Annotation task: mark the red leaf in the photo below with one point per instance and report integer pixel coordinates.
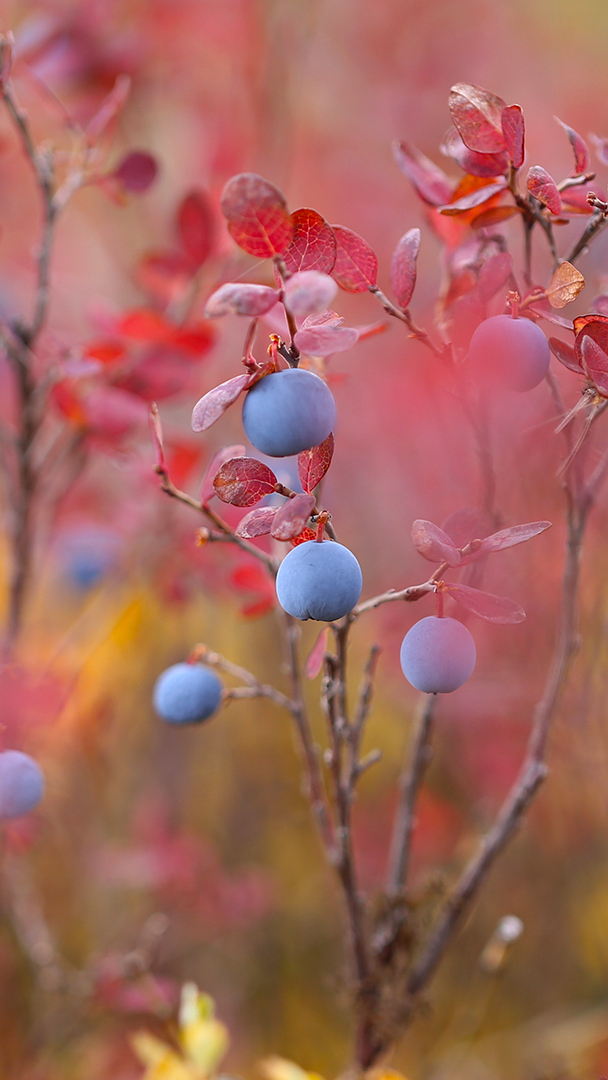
(514, 131)
(477, 114)
(494, 609)
(225, 454)
(196, 226)
(314, 661)
(595, 364)
(565, 354)
(257, 522)
(325, 340)
(243, 481)
(543, 187)
(163, 274)
(516, 534)
(494, 216)
(195, 340)
(137, 171)
(431, 183)
(473, 163)
(313, 244)
(240, 299)
(212, 405)
(601, 148)
(356, 265)
(292, 517)
(433, 544)
(314, 463)
(594, 326)
(257, 215)
(494, 275)
(306, 534)
(309, 292)
(473, 198)
(582, 158)
(145, 325)
(403, 266)
(466, 525)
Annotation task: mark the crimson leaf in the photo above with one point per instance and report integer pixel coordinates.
(356, 265)
(403, 266)
(313, 244)
(244, 481)
(477, 114)
(292, 517)
(314, 463)
(257, 522)
(212, 405)
(257, 215)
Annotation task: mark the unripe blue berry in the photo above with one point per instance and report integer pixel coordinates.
(438, 655)
(513, 353)
(288, 411)
(21, 784)
(187, 693)
(319, 580)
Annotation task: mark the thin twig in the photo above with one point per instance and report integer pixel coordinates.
(419, 759)
(253, 687)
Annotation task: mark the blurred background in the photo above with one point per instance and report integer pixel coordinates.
(161, 855)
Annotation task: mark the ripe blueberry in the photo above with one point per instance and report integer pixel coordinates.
(438, 655)
(187, 693)
(320, 581)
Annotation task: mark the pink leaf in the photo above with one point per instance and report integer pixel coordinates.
(313, 244)
(582, 158)
(403, 266)
(473, 199)
(257, 215)
(601, 148)
(494, 275)
(494, 609)
(431, 183)
(514, 131)
(599, 304)
(196, 226)
(257, 522)
(466, 525)
(595, 364)
(473, 163)
(225, 454)
(356, 265)
(325, 340)
(240, 299)
(292, 517)
(477, 114)
(543, 187)
(314, 463)
(594, 326)
(565, 354)
(516, 534)
(212, 405)
(309, 292)
(314, 661)
(244, 481)
(137, 171)
(109, 109)
(433, 544)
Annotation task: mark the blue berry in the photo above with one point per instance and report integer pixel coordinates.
(287, 412)
(319, 581)
(21, 784)
(187, 693)
(513, 353)
(438, 655)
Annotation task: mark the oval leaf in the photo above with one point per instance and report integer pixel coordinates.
(257, 522)
(325, 340)
(244, 481)
(356, 265)
(565, 285)
(225, 454)
(403, 266)
(292, 517)
(477, 113)
(257, 215)
(494, 275)
(240, 299)
(473, 198)
(595, 364)
(314, 463)
(514, 130)
(316, 656)
(516, 534)
(565, 353)
(433, 544)
(466, 525)
(582, 158)
(494, 609)
(137, 171)
(543, 187)
(431, 183)
(309, 292)
(485, 165)
(196, 226)
(494, 216)
(313, 244)
(211, 406)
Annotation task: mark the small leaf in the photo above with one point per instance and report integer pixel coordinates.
(292, 517)
(240, 299)
(431, 183)
(314, 660)
(433, 544)
(494, 216)
(257, 522)
(514, 130)
(145, 325)
(313, 244)
(516, 534)
(565, 354)
(473, 198)
(212, 405)
(494, 275)
(314, 463)
(403, 266)
(565, 285)
(595, 364)
(477, 113)
(257, 215)
(494, 609)
(325, 340)
(485, 165)
(356, 265)
(244, 481)
(582, 158)
(466, 525)
(543, 187)
(309, 292)
(196, 226)
(225, 454)
(137, 171)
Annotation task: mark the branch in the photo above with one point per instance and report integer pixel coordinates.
(404, 316)
(411, 780)
(253, 687)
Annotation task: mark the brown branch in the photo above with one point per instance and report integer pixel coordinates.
(253, 687)
(419, 759)
(404, 316)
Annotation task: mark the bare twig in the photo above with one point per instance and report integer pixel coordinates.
(419, 760)
(253, 687)
(404, 316)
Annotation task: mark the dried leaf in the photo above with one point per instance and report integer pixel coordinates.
(543, 187)
(257, 522)
(433, 544)
(309, 292)
(595, 364)
(431, 183)
(314, 660)
(212, 405)
(565, 285)
(403, 266)
(494, 216)
(516, 534)
(225, 454)
(137, 171)
(244, 481)
(514, 131)
(565, 354)
(582, 158)
(292, 517)
(494, 609)
(325, 340)
(477, 114)
(314, 463)
(313, 244)
(494, 275)
(356, 265)
(240, 299)
(485, 165)
(257, 215)
(473, 198)
(196, 226)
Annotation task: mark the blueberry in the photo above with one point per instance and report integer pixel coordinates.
(319, 581)
(438, 655)
(287, 412)
(21, 784)
(187, 693)
(513, 353)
